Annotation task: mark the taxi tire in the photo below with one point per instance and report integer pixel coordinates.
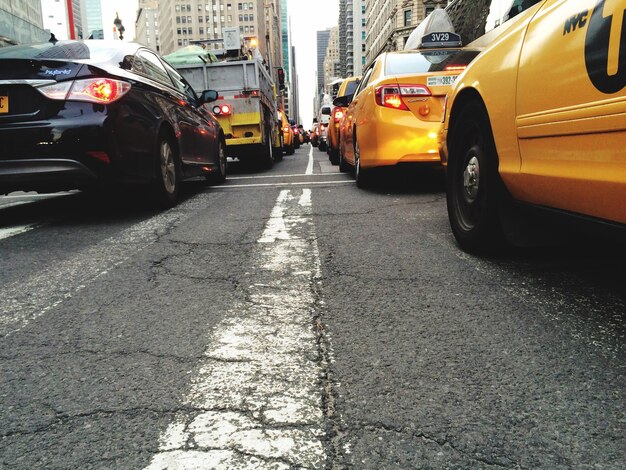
(290, 150)
(165, 187)
(344, 166)
(333, 155)
(362, 176)
(475, 193)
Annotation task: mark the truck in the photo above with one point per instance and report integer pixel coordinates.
(246, 106)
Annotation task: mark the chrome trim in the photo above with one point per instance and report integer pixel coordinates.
(33, 83)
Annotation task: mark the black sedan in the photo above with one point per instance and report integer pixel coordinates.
(84, 114)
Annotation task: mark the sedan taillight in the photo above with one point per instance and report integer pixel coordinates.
(91, 90)
(391, 96)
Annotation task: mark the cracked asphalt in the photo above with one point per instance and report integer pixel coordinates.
(287, 321)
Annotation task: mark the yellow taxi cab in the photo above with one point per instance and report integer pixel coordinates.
(539, 119)
(288, 137)
(347, 87)
(395, 114)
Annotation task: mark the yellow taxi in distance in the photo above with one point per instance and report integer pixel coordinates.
(395, 114)
(288, 137)
(346, 88)
(540, 118)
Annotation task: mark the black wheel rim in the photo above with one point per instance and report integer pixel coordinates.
(469, 188)
(168, 167)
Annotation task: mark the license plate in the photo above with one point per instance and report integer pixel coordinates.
(442, 80)
(4, 104)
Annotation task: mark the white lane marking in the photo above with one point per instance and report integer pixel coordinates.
(255, 401)
(12, 231)
(277, 185)
(27, 299)
(309, 167)
(262, 176)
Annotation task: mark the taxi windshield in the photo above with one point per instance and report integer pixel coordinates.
(428, 61)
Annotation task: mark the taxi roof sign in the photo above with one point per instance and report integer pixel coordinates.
(441, 39)
(431, 32)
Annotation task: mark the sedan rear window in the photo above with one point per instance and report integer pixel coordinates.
(428, 61)
(98, 51)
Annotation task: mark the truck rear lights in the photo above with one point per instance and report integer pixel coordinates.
(222, 110)
(391, 96)
(91, 90)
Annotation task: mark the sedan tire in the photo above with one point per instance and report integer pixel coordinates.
(168, 174)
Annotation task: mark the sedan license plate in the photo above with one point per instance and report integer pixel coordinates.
(442, 80)
(4, 104)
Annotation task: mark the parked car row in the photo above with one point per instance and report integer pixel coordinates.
(532, 119)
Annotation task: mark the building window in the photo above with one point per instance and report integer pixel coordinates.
(252, 29)
(200, 19)
(408, 14)
(230, 18)
(246, 29)
(178, 31)
(251, 17)
(429, 10)
(184, 19)
(245, 17)
(177, 8)
(201, 31)
(240, 17)
(229, 7)
(240, 6)
(251, 7)
(180, 42)
(245, 6)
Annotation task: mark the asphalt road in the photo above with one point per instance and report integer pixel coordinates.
(288, 319)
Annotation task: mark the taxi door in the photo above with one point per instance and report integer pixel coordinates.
(571, 108)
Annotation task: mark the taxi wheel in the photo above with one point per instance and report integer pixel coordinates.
(475, 193)
(166, 185)
(268, 154)
(219, 175)
(362, 176)
(344, 167)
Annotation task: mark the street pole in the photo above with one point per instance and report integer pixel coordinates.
(70, 19)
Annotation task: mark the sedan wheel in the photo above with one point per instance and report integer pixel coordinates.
(166, 186)
(219, 175)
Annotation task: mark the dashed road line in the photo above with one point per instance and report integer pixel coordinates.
(255, 401)
(309, 167)
(17, 230)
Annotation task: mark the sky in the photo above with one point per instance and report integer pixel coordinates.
(307, 17)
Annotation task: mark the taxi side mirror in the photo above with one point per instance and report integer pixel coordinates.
(343, 101)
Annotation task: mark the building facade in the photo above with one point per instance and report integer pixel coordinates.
(322, 44)
(21, 22)
(390, 22)
(92, 19)
(55, 19)
(332, 64)
(351, 37)
(147, 24)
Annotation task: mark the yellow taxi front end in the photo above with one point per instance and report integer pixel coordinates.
(540, 118)
(401, 117)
